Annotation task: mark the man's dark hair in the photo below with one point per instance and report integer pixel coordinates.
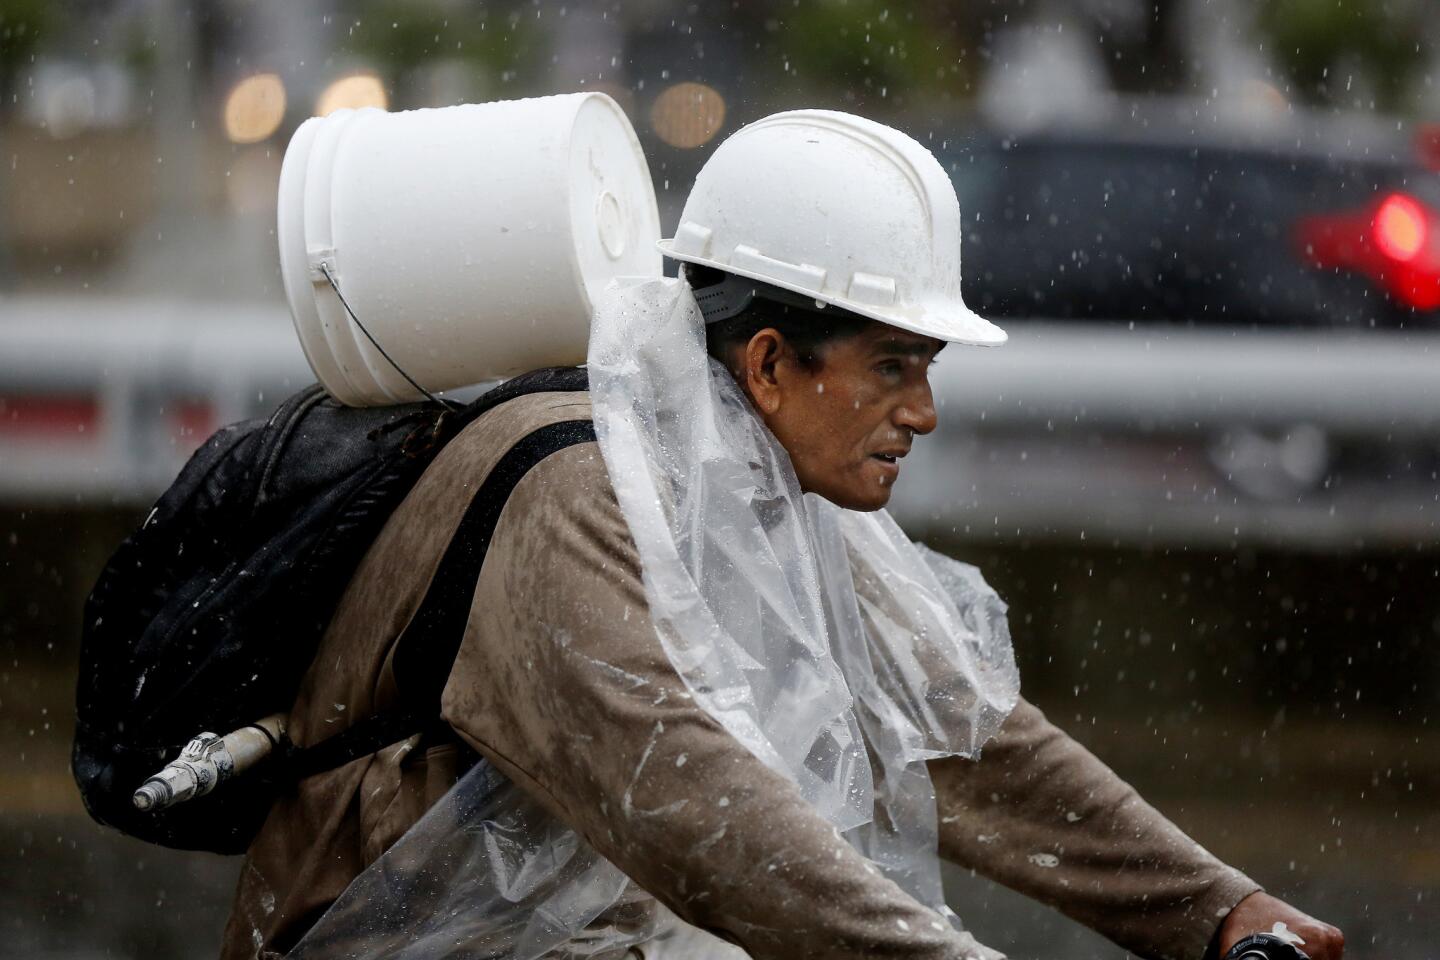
(807, 332)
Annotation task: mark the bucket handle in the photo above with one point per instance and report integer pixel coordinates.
(321, 261)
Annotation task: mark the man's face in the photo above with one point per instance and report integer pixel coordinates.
(848, 420)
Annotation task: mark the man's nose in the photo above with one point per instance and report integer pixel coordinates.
(917, 412)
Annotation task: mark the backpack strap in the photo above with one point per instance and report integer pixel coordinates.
(427, 647)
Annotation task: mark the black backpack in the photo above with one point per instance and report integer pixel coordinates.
(208, 616)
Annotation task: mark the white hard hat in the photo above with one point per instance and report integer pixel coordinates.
(839, 208)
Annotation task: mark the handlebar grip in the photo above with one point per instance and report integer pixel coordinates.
(1265, 946)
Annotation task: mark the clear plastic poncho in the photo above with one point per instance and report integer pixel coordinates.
(827, 643)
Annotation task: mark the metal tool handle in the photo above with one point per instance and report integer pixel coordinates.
(208, 761)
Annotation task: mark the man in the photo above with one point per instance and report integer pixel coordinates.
(823, 253)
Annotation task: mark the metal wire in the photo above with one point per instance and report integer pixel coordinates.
(325, 269)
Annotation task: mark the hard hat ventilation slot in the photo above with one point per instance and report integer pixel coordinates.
(693, 240)
(803, 275)
(874, 290)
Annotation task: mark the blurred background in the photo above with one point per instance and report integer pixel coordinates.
(1205, 473)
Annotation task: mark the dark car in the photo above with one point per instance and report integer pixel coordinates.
(1312, 230)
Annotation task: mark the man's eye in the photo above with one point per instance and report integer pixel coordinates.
(890, 368)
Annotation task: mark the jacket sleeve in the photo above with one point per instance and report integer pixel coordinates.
(1042, 815)
(562, 683)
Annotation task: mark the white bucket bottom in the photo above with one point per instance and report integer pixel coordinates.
(471, 241)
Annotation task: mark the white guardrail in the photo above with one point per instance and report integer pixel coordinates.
(1210, 437)
(102, 400)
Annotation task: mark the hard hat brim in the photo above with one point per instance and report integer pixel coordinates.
(952, 322)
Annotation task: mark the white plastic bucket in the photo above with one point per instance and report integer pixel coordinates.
(471, 241)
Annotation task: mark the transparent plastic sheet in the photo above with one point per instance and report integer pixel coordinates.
(947, 665)
(727, 553)
(834, 649)
(486, 873)
(809, 631)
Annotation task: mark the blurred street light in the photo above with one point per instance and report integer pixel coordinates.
(688, 115)
(352, 92)
(255, 108)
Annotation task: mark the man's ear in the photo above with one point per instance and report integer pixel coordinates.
(760, 358)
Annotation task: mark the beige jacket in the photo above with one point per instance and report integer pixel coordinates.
(561, 683)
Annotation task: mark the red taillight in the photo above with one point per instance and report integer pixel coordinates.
(1395, 242)
(1400, 227)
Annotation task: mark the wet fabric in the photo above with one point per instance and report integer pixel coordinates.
(1045, 817)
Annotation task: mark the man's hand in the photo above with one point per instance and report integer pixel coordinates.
(1260, 912)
